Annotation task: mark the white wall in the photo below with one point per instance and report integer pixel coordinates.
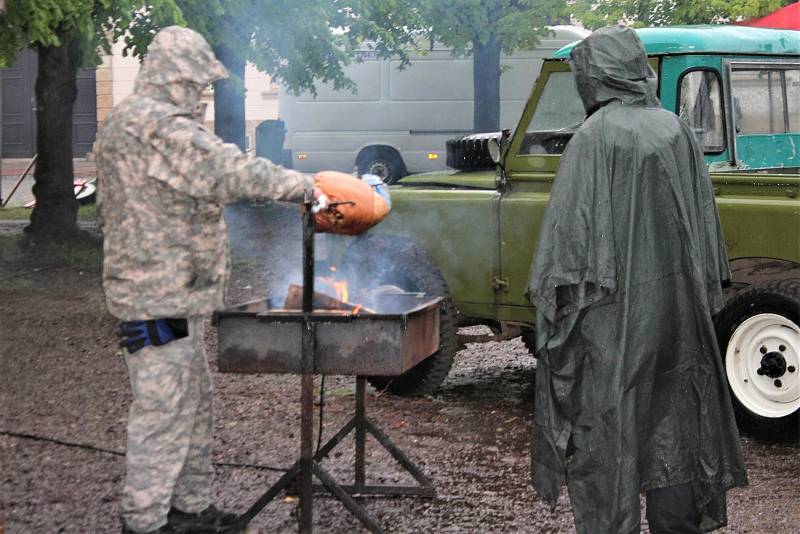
(261, 101)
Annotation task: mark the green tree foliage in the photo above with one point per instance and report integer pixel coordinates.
(65, 34)
(598, 13)
(483, 29)
(46, 23)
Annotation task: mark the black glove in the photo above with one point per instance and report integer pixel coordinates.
(139, 334)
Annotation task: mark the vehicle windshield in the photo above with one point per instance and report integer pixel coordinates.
(559, 106)
(558, 114)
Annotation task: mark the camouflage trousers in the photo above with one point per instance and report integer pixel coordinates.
(170, 431)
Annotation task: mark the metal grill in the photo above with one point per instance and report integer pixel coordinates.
(260, 338)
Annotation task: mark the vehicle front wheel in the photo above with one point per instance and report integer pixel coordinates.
(384, 163)
(385, 261)
(759, 336)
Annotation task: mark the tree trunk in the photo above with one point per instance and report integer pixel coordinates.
(55, 214)
(229, 119)
(486, 84)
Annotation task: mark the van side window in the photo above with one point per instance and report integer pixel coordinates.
(700, 106)
(765, 100)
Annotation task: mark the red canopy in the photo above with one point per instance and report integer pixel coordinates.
(786, 18)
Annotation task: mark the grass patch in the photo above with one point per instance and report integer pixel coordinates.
(85, 213)
(15, 214)
(19, 254)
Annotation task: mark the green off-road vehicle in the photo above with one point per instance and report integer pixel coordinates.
(470, 234)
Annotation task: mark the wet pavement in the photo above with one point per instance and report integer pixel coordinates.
(60, 378)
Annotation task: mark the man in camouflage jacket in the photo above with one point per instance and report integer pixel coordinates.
(163, 179)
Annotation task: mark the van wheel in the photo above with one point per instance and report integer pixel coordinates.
(759, 337)
(383, 260)
(383, 162)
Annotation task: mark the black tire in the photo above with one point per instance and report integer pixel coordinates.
(529, 340)
(389, 260)
(383, 162)
(781, 298)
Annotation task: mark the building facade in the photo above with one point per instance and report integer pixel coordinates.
(99, 90)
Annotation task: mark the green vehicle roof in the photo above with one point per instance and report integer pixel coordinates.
(711, 39)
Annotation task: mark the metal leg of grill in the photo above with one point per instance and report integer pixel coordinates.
(306, 453)
(352, 506)
(307, 467)
(362, 425)
(361, 402)
(265, 499)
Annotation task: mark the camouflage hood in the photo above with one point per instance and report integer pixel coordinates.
(611, 64)
(179, 66)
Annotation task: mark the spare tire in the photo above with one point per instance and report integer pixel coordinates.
(471, 152)
(374, 261)
(758, 333)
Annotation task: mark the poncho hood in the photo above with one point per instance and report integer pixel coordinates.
(179, 66)
(611, 64)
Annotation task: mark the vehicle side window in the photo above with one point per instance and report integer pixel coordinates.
(700, 106)
(765, 100)
(793, 99)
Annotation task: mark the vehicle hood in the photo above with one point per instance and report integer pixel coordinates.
(485, 179)
(611, 64)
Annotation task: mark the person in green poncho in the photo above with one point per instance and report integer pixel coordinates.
(630, 389)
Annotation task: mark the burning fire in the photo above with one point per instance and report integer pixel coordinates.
(341, 291)
(339, 287)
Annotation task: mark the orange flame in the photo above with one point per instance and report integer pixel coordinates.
(341, 290)
(357, 309)
(335, 287)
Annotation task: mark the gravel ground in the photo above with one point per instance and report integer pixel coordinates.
(60, 378)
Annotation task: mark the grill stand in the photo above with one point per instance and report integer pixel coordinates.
(308, 466)
(362, 424)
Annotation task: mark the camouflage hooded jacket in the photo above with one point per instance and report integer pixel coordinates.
(163, 178)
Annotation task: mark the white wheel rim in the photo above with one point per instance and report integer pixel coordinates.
(767, 396)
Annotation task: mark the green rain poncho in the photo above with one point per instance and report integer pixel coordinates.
(626, 278)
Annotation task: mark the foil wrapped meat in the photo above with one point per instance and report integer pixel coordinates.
(354, 207)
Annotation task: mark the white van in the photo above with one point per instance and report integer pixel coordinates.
(398, 121)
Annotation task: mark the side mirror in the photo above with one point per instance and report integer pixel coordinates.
(493, 147)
